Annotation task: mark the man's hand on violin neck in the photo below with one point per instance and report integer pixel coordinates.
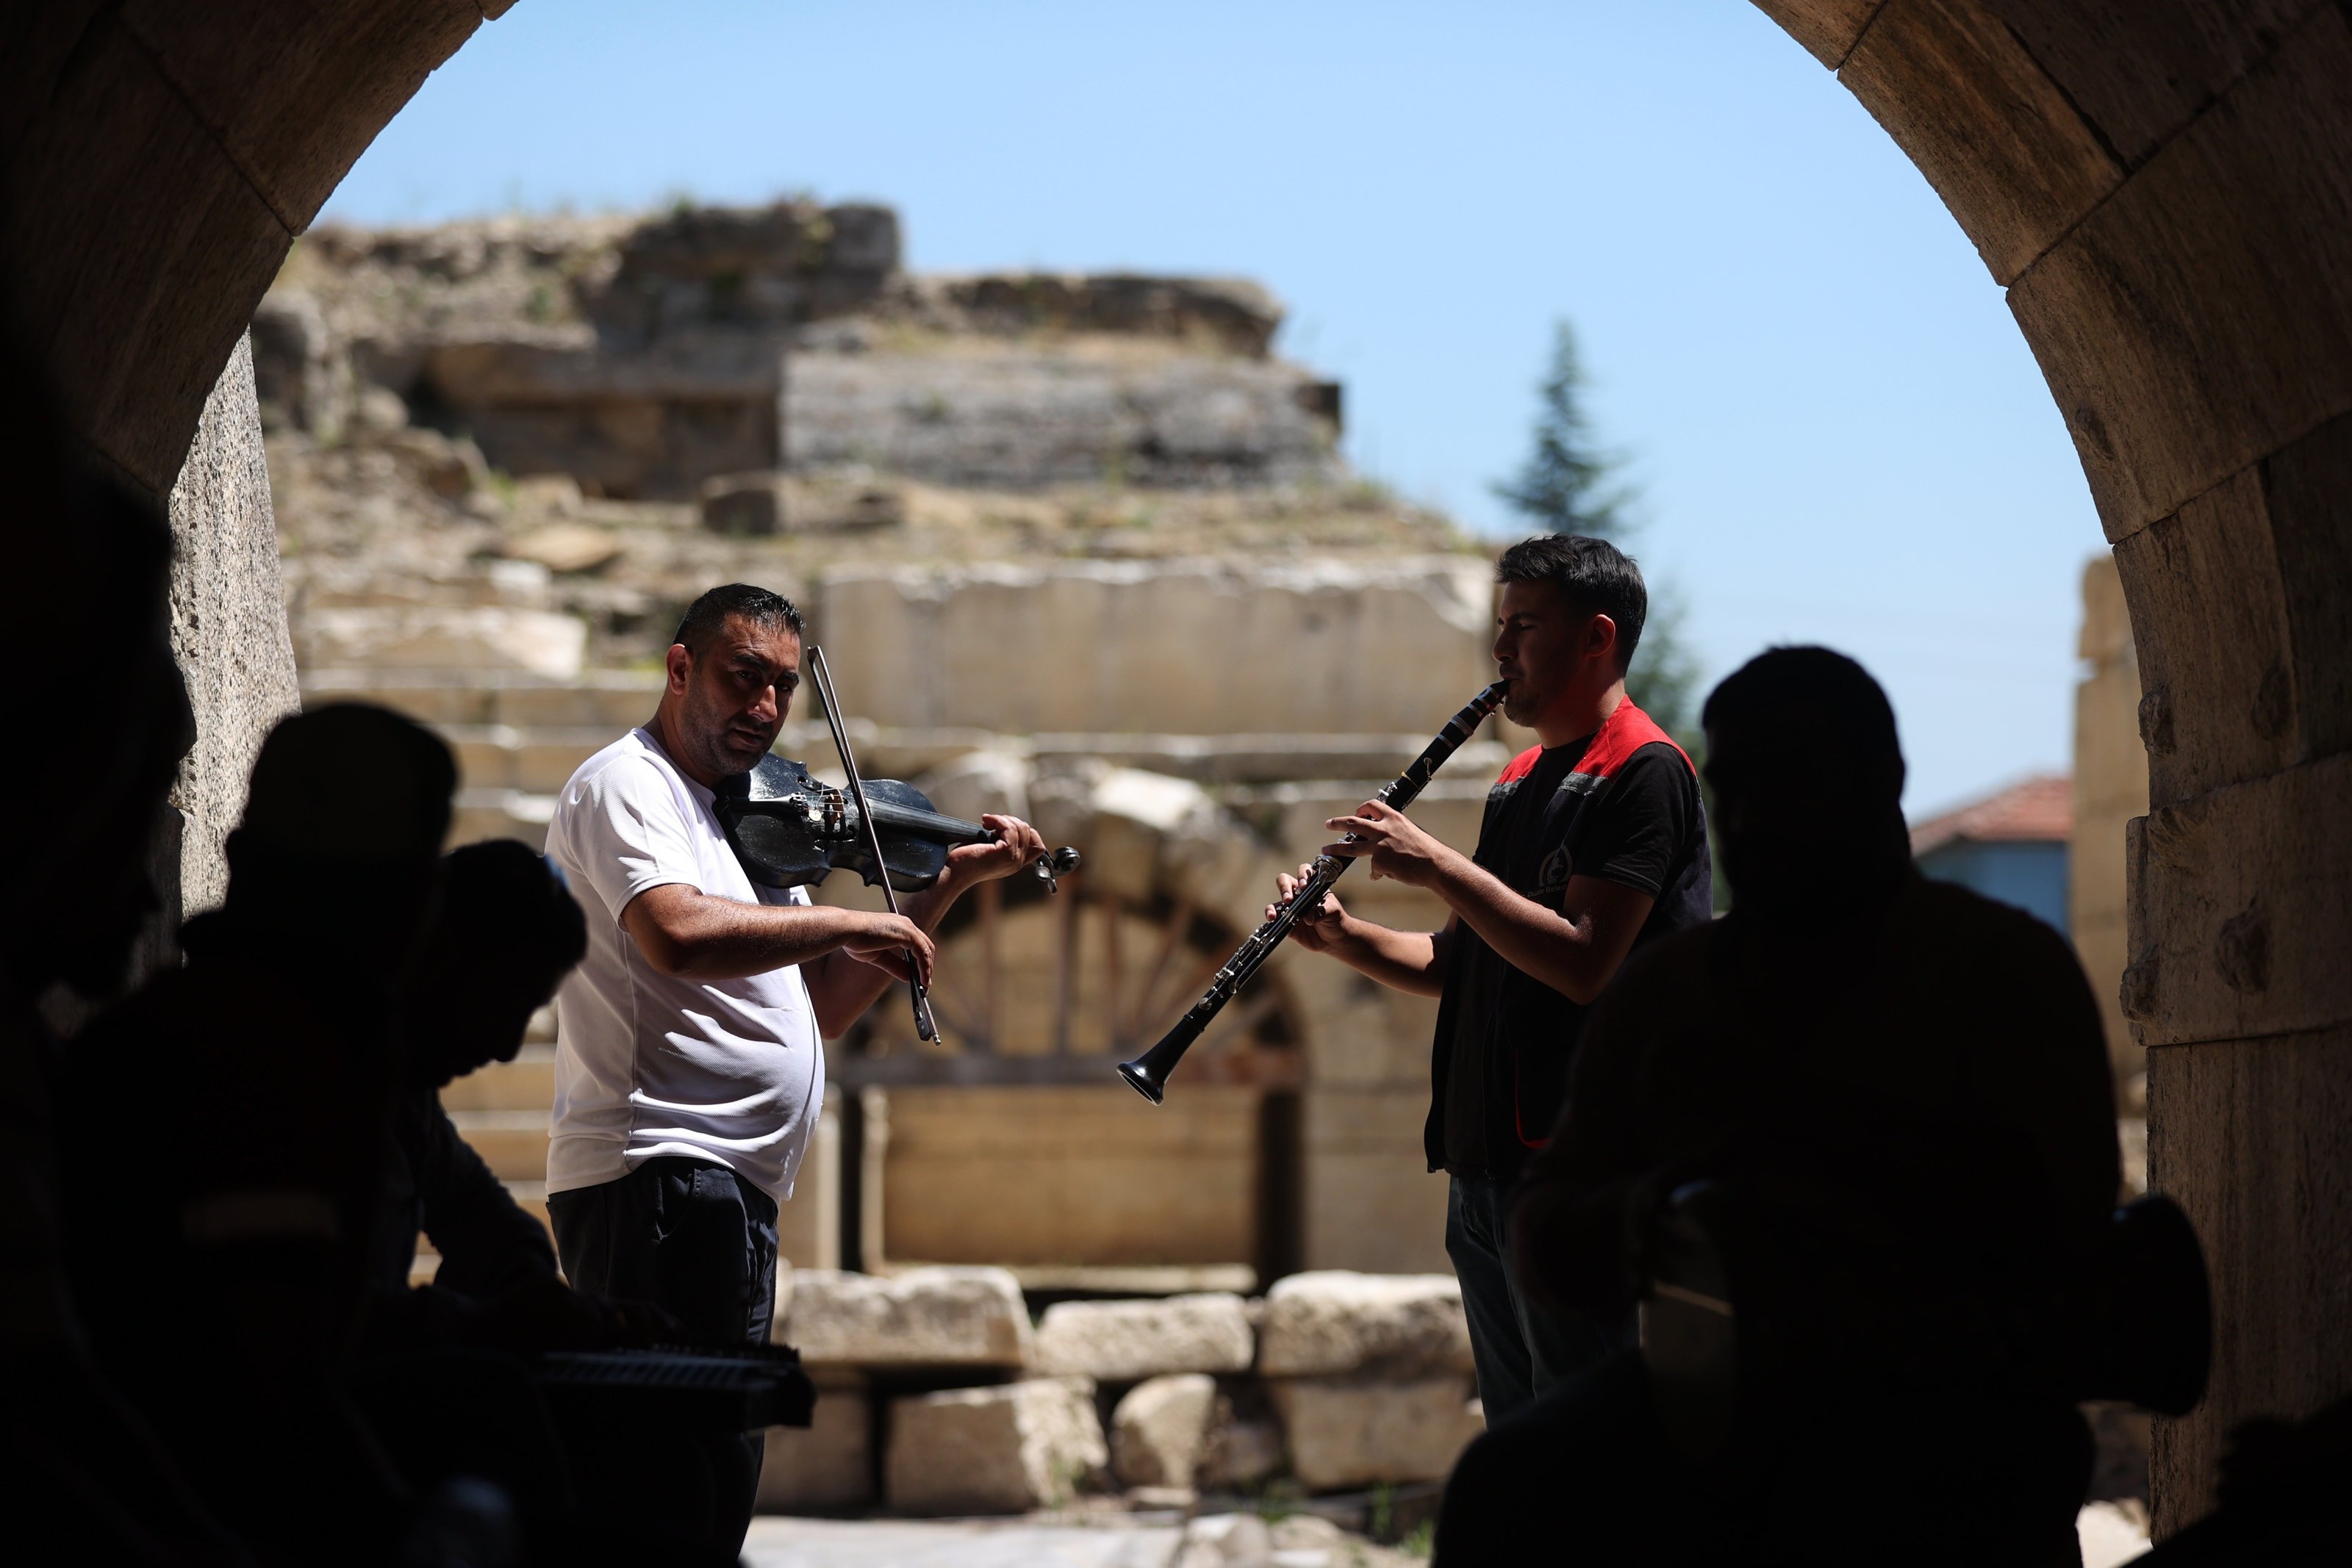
(1018, 846)
(1393, 844)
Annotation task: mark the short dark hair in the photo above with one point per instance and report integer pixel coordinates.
(761, 607)
(1852, 706)
(1594, 575)
(349, 781)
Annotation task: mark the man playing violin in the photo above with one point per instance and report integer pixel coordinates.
(689, 1070)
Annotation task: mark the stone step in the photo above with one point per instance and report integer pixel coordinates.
(610, 700)
(537, 759)
(513, 1143)
(482, 814)
(526, 1083)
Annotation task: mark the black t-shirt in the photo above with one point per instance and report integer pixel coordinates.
(1621, 805)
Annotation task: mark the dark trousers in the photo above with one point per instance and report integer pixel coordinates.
(698, 1242)
(1522, 1349)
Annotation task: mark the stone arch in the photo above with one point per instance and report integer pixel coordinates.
(2165, 189)
(2166, 193)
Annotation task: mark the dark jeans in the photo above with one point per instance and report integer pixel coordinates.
(698, 1242)
(1521, 1349)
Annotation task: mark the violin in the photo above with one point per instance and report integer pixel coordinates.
(790, 830)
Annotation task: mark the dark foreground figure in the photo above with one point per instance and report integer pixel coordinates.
(1897, 1096)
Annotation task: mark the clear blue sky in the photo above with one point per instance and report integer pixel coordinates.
(1839, 431)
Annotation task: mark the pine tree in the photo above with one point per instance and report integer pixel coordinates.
(1570, 484)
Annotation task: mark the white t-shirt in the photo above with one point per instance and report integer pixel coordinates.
(646, 1064)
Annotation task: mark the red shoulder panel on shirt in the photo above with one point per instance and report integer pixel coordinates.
(1522, 764)
(1623, 733)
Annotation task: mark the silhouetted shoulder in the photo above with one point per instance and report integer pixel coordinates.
(1986, 927)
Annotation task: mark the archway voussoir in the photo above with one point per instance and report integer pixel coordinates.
(2239, 906)
(2002, 145)
(1828, 28)
(2139, 86)
(295, 89)
(2217, 669)
(2201, 318)
(144, 295)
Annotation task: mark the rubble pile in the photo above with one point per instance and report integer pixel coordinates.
(936, 1397)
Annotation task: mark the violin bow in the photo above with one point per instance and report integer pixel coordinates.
(925, 1027)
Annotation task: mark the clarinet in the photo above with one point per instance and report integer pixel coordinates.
(1148, 1073)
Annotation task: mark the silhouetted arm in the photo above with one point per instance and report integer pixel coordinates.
(1568, 1229)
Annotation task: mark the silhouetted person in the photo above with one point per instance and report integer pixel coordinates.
(1901, 1091)
(80, 1477)
(235, 1115)
(507, 932)
(446, 1373)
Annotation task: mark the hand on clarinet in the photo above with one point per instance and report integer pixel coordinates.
(1315, 933)
(1389, 841)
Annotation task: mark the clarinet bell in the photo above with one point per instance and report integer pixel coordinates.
(1148, 1073)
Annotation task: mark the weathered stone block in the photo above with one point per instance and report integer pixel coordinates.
(2215, 657)
(748, 504)
(1240, 1451)
(925, 1317)
(2239, 910)
(2246, 1135)
(1006, 1450)
(446, 637)
(1015, 417)
(1353, 1432)
(1998, 139)
(2141, 83)
(228, 623)
(1827, 28)
(2202, 315)
(1160, 1429)
(1117, 1341)
(1215, 1540)
(1180, 647)
(1044, 1174)
(1333, 1321)
(825, 1466)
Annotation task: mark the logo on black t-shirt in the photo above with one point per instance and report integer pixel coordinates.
(1551, 877)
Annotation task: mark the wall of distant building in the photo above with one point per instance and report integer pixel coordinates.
(2030, 876)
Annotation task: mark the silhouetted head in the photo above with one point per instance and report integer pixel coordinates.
(1807, 773)
(732, 671)
(95, 560)
(508, 933)
(338, 856)
(1567, 623)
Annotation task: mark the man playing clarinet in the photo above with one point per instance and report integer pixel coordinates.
(1593, 845)
(690, 1069)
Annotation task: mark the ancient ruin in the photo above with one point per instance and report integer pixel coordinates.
(2163, 192)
